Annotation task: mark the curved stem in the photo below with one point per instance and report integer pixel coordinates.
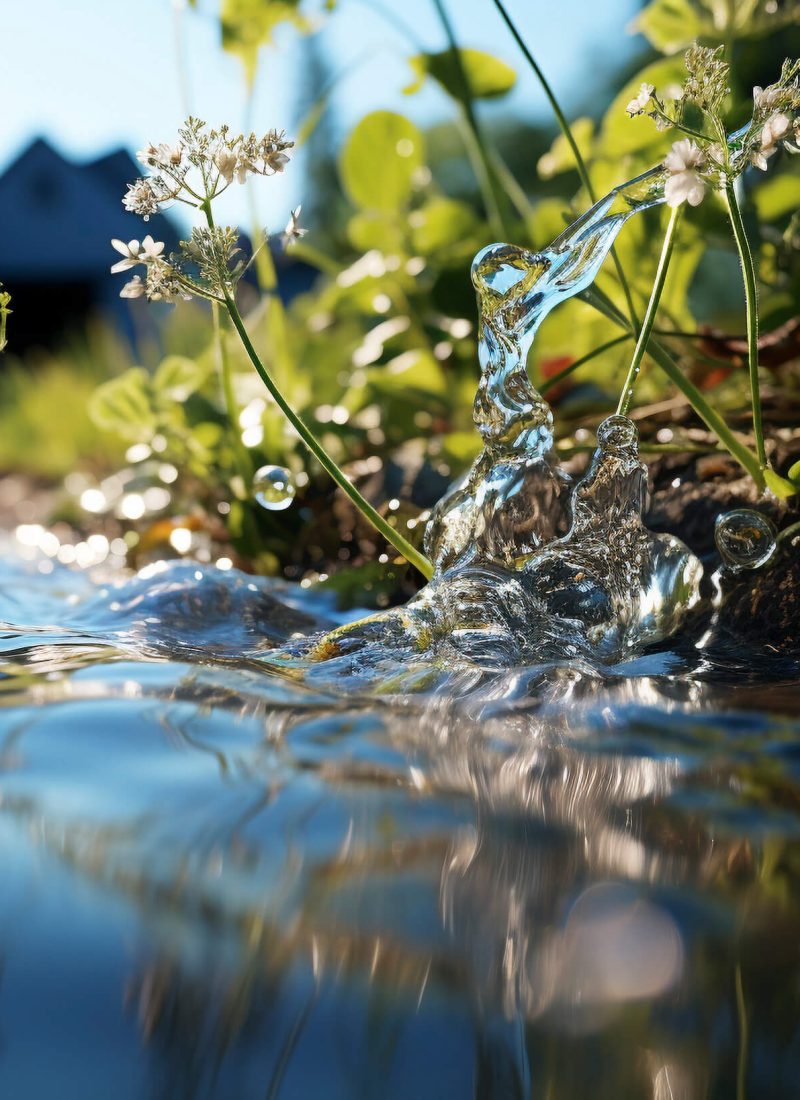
(669, 365)
(494, 197)
(418, 560)
(650, 316)
(751, 306)
(566, 130)
(243, 462)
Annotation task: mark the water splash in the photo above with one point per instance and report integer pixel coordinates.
(528, 565)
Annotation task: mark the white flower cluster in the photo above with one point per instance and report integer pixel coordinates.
(696, 162)
(195, 170)
(162, 282)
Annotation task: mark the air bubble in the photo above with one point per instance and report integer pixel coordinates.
(274, 488)
(745, 539)
(618, 434)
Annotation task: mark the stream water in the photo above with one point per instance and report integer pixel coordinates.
(222, 878)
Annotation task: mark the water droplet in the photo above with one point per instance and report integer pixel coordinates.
(274, 488)
(618, 435)
(744, 538)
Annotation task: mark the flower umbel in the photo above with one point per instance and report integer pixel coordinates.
(198, 167)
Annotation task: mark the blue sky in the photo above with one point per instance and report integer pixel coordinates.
(91, 75)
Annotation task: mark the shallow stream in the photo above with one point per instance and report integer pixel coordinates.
(227, 876)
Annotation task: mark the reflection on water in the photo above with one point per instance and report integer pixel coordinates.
(226, 879)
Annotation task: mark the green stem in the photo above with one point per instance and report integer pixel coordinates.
(494, 197)
(751, 305)
(669, 365)
(650, 315)
(243, 462)
(567, 371)
(310, 440)
(566, 130)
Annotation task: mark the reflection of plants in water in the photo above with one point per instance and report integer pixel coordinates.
(537, 886)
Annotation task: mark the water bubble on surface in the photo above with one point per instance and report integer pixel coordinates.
(617, 434)
(274, 488)
(745, 539)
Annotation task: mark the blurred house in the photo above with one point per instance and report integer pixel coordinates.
(57, 218)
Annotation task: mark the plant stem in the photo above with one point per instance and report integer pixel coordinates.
(243, 462)
(666, 360)
(650, 315)
(562, 374)
(751, 305)
(566, 130)
(493, 195)
(419, 561)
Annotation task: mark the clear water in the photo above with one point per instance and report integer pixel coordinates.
(537, 834)
(226, 877)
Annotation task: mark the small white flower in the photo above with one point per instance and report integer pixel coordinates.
(684, 183)
(134, 289)
(764, 99)
(637, 105)
(160, 156)
(243, 167)
(775, 129)
(129, 252)
(293, 231)
(141, 199)
(276, 160)
(150, 250)
(225, 160)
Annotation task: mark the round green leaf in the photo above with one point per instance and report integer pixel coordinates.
(378, 163)
(178, 376)
(440, 223)
(488, 77)
(122, 405)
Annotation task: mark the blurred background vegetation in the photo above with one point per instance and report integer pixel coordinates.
(117, 423)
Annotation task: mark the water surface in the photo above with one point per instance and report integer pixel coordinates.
(228, 875)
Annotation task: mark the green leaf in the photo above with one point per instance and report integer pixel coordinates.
(122, 405)
(794, 473)
(780, 486)
(380, 159)
(560, 157)
(672, 25)
(370, 229)
(440, 223)
(247, 25)
(776, 197)
(413, 370)
(178, 376)
(488, 77)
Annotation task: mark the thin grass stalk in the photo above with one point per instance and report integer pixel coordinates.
(626, 396)
(566, 130)
(669, 365)
(751, 308)
(493, 194)
(418, 560)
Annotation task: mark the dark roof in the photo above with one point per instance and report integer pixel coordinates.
(57, 216)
